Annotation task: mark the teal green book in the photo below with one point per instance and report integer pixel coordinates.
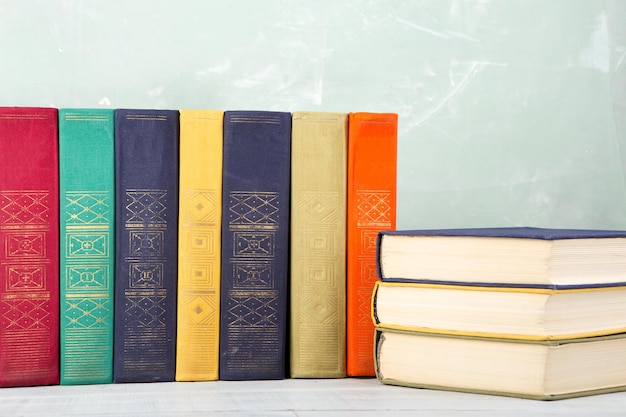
(87, 193)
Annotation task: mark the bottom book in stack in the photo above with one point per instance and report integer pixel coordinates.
(522, 342)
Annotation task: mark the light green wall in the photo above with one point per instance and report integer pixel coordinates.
(511, 112)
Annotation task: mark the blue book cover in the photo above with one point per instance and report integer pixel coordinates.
(146, 168)
(255, 245)
(598, 259)
(513, 232)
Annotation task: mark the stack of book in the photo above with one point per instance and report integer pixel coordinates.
(142, 245)
(525, 312)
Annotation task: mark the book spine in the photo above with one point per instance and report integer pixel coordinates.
(146, 152)
(255, 245)
(318, 248)
(29, 247)
(87, 202)
(372, 153)
(197, 339)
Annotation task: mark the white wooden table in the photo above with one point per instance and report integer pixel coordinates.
(302, 398)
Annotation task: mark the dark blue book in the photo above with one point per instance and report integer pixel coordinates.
(146, 168)
(506, 256)
(255, 245)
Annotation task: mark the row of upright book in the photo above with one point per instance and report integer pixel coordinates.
(519, 311)
(162, 245)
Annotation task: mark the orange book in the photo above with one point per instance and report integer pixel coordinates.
(371, 205)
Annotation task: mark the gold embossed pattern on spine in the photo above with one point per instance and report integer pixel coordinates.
(374, 209)
(252, 302)
(26, 311)
(144, 307)
(87, 307)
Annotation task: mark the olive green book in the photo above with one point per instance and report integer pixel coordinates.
(318, 245)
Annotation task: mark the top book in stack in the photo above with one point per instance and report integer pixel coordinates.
(504, 257)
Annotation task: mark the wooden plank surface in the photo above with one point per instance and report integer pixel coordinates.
(349, 397)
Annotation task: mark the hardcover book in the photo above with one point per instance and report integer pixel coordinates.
(87, 204)
(504, 312)
(199, 231)
(255, 245)
(318, 245)
(29, 247)
(509, 256)
(545, 370)
(372, 153)
(146, 164)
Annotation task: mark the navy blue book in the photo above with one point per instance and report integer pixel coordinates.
(255, 245)
(506, 256)
(146, 169)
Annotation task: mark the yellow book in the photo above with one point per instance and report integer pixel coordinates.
(318, 248)
(500, 312)
(197, 345)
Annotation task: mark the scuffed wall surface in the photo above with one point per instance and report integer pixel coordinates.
(511, 112)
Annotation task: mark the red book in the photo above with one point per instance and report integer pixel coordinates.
(29, 247)
(372, 149)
